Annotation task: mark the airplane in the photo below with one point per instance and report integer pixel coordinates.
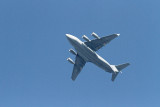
(86, 52)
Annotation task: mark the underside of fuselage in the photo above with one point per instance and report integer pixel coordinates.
(90, 56)
(86, 52)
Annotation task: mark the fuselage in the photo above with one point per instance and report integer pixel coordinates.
(88, 54)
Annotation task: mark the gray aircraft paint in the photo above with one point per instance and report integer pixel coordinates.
(88, 55)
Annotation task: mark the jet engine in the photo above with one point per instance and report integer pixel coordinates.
(70, 60)
(73, 52)
(95, 35)
(86, 38)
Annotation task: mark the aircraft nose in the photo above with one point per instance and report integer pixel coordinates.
(68, 36)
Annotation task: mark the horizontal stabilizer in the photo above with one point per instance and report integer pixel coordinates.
(122, 66)
(114, 75)
(119, 68)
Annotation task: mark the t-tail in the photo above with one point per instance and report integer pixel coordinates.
(118, 69)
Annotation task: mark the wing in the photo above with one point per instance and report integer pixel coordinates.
(96, 44)
(79, 63)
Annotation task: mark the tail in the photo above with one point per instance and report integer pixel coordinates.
(119, 68)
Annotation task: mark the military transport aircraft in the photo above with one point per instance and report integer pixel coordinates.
(86, 52)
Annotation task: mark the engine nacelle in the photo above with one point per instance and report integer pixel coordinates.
(70, 60)
(86, 38)
(95, 35)
(73, 52)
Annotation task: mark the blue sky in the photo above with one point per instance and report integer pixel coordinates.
(33, 67)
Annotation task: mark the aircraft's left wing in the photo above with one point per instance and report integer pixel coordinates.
(79, 63)
(96, 44)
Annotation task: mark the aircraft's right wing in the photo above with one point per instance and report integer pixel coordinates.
(96, 44)
(79, 63)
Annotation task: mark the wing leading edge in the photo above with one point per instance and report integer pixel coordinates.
(79, 63)
(96, 44)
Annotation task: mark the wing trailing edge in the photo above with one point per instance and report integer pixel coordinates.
(98, 43)
(79, 64)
